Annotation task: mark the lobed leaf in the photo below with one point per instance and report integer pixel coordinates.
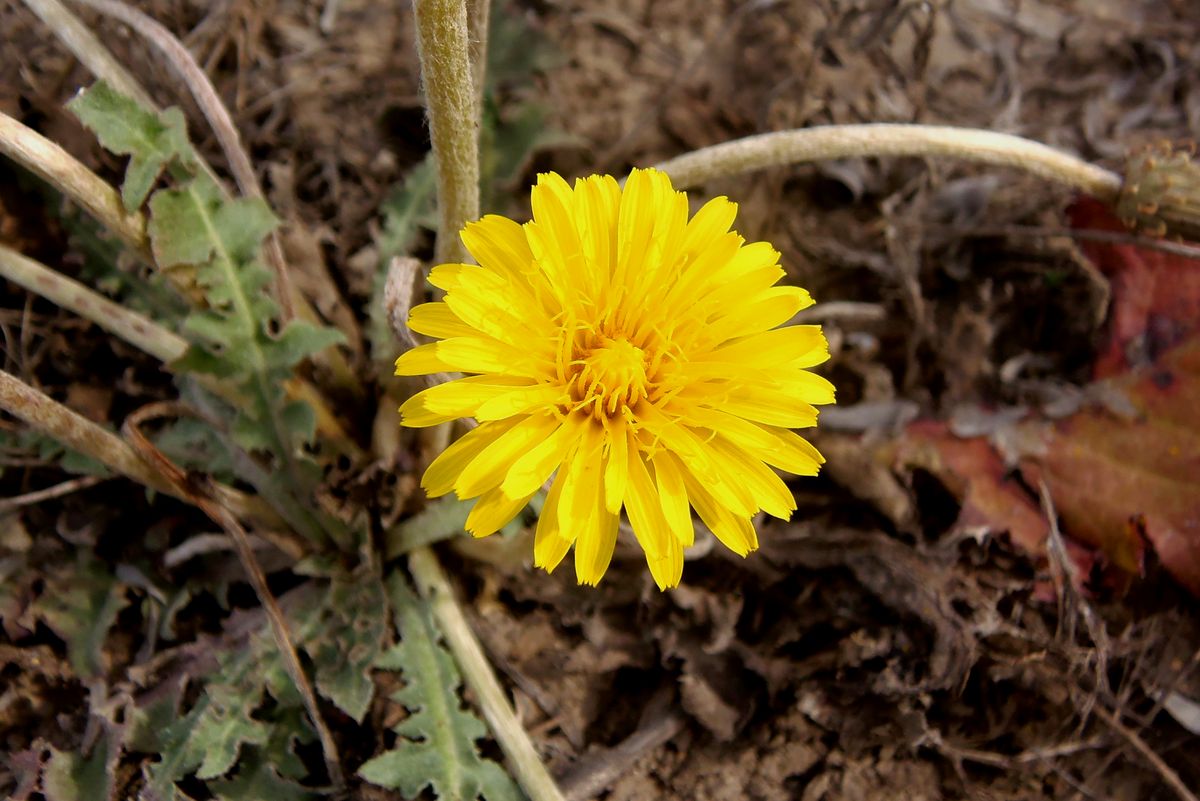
(150, 140)
(439, 751)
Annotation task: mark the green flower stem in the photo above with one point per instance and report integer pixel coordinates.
(60, 169)
(478, 18)
(523, 759)
(50, 417)
(443, 44)
(887, 139)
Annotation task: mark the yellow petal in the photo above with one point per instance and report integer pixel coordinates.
(421, 360)
(616, 470)
(490, 465)
(454, 399)
(673, 498)
(437, 320)
(594, 547)
(645, 510)
(583, 485)
(735, 532)
(768, 489)
(530, 470)
(444, 471)
(550, 544)
(668, 569)
(493, 511)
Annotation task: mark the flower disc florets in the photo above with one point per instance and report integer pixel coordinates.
(633, 355)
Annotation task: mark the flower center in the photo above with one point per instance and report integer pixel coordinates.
(610, 376)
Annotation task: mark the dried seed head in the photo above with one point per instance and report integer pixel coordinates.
(1161, 195)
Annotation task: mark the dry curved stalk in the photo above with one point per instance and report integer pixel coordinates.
(890, 139)
(93, 54)
(218, 119)
(201, 495)
(60, 169)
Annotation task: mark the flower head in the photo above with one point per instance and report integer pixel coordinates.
(629, 352)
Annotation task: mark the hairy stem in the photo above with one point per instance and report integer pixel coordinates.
(60, 169)
(443, 43)
(523, 759)
(887, 139)
(478, 18)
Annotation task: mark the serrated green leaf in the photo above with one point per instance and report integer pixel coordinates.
(150, 140)
(440, 750)
(351, 636)
(80, 603)
(300, 340)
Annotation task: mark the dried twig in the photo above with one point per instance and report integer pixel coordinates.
(77, 432)
(830, 142)
(1164, 770)
(1188, 251)
(49, 493)
(87, 47)
(60, 169)
(202, 497)
(523, 759)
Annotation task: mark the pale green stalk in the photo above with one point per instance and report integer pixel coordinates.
(886, 139)
(443, 43)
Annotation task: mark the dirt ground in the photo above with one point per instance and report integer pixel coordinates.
(876, 647)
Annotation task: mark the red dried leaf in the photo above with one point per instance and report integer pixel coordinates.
(1156, 295)
(1115, 480)
(975, 473)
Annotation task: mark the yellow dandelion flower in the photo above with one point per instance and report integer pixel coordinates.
(629, 352)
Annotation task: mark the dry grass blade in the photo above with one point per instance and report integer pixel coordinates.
(139, 331)
(50, 493)
(77, 432)
(523, 758)
(202, 496)
(44, 158)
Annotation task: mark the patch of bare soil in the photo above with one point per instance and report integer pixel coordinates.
(872, 648)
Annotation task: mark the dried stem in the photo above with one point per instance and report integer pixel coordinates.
(523, 759)
(49, 493)
(201, 496)
(60, 169)
(78, 433)
(443, 42)
(147, 335)
(887, 139)
(139, 331)
(80, 40)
